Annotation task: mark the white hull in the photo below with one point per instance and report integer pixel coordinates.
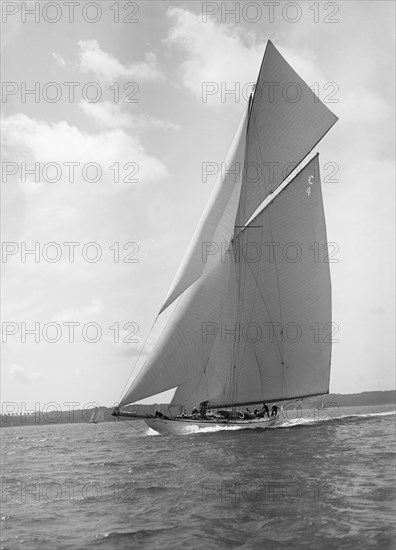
(182, 427)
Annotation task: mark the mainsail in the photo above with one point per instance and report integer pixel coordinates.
(253, 316)
(283, 323)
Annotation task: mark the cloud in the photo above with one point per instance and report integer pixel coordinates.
(108, 114)
(109, 69)
(10, 28)
(363, 105)
(19, 374)
(112, 115)
(214, 53)
(227, 55)
(30, 139)
(59, 59)
(82, 314)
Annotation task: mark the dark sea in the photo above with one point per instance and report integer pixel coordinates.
(324, 482)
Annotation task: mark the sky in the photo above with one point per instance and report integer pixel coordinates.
(118, 130)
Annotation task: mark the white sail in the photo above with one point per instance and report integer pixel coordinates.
(287, 121)
(254, 323)
(275, 343)
(180, 355)
(213, 378)
(97, 416)
(284, 312)
(217, 221)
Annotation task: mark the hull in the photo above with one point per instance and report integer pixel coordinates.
(183, 427)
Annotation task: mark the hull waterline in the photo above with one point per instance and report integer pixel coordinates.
(182, 427)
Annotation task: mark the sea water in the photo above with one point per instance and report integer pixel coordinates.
(325, 481)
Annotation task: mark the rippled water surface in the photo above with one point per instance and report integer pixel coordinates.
(328, 483)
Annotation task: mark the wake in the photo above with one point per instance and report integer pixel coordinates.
(292, 423)
(304, 421)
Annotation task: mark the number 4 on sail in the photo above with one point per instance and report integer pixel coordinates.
(258, 348)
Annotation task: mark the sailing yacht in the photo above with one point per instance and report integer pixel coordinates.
(252, 298)
(97, 416)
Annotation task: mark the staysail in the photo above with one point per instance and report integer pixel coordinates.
(253, 320)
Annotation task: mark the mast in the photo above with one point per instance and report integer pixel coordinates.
(278, 129)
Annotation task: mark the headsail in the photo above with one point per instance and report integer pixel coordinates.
(180, 355)
(286, 121)
(217, 221)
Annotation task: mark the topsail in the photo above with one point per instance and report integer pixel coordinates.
(287, 120)
(253, 316)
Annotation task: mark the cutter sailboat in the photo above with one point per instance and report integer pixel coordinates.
(252, 317)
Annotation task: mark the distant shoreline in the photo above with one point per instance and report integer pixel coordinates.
(78, 416)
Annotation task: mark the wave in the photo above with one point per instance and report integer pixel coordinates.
(136, 533)
(303, 421)
(348, 417)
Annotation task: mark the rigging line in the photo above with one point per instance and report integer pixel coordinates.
(234, 346)
(247, 317)
(274, 194)
(187, 399)
(202, 216)
(241, 287)
(257, 149)
(276, 273)
(270, 229)
(257, 361)
(242, 198)
(241, 207)
(207, 362)
(265, 304)
(192, 378)
(127, 384)
(242, 272)
(280, 304)
(258, 152)
(242, 269)
(131, 425)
